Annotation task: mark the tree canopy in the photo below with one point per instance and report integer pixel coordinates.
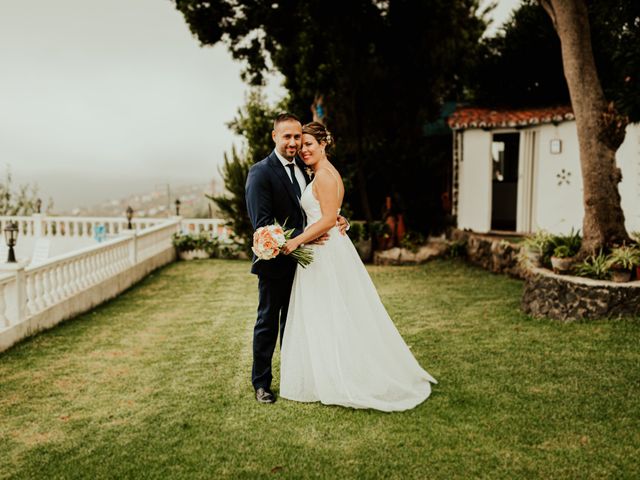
(382, 68)
(20, 200)
(522, 64)
(253, 123)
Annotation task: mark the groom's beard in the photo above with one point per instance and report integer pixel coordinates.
(287, 155)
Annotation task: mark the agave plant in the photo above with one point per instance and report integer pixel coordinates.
(538, 243)
(596, 266)
(624, 258)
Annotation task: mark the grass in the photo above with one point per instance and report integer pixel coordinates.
(155, 384)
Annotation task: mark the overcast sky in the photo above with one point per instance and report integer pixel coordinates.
(101, 98)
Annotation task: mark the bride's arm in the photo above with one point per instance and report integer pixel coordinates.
(327, 193)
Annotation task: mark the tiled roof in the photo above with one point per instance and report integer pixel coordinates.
(470, 117)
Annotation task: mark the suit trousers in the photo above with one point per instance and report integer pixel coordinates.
(273, 304)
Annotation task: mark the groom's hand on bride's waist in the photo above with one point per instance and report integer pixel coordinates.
(320, 240)
(342, 224)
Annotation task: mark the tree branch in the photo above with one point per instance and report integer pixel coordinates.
(548, 7)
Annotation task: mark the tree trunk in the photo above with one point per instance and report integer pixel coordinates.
(600, 130)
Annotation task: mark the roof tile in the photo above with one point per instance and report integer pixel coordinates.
(473, 117)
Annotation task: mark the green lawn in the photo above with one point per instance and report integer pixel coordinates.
(155, 384)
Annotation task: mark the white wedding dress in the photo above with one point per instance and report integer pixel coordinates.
(340, 346)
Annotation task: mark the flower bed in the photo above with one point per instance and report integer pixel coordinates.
(566, 297)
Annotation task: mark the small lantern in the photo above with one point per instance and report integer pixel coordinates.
(11, 237)
(178, 202)
(38, 205)
(129, 217)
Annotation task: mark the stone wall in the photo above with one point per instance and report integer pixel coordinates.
(492, 253)
(402, 256)
(565, 297)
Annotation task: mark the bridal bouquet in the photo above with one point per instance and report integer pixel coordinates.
(267, 242)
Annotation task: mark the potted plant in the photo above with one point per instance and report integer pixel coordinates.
(562, 249)
(622, 260)
(535, 247)
(562, 259)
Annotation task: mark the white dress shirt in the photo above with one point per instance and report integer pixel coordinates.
(299, 176)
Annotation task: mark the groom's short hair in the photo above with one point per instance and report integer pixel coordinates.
(285, 117)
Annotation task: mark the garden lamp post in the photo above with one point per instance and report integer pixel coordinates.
(11, 237)
(129, 217)
(178, 202)
(38, 205)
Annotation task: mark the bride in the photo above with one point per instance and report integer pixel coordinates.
(341, 347)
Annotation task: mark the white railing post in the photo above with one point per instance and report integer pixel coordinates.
(178, 220)
(37, 225)
(132, 244)
(17, 302)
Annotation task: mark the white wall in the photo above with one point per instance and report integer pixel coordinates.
(474, 200)
(628, 158)
(556, 203)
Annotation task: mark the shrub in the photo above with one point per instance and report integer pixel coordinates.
(412, 241)
(358, 231)
(596, 266)
(457, 249)
(539, 243)
(204, 241)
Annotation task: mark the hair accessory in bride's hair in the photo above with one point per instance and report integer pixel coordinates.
(329, 138)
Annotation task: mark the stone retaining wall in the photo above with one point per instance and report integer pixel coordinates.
(565, 297)
(491, 252)
(402, 256)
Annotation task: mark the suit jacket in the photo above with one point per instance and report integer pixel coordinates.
(270, 197)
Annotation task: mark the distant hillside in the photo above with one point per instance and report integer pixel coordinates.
(158, 203)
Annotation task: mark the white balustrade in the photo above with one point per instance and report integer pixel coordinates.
(4, 282)
(39, 296)
(87, 227)
(216, 226)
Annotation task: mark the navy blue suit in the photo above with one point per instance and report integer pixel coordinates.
(271, 198)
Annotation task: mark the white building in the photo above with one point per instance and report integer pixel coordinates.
(519, 170)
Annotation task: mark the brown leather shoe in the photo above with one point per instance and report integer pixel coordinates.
(264, 395)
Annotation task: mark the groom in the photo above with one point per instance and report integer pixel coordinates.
(273, 189)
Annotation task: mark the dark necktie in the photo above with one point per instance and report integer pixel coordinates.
(294, 181)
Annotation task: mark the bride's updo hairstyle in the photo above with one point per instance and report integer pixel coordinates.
(320, 133)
